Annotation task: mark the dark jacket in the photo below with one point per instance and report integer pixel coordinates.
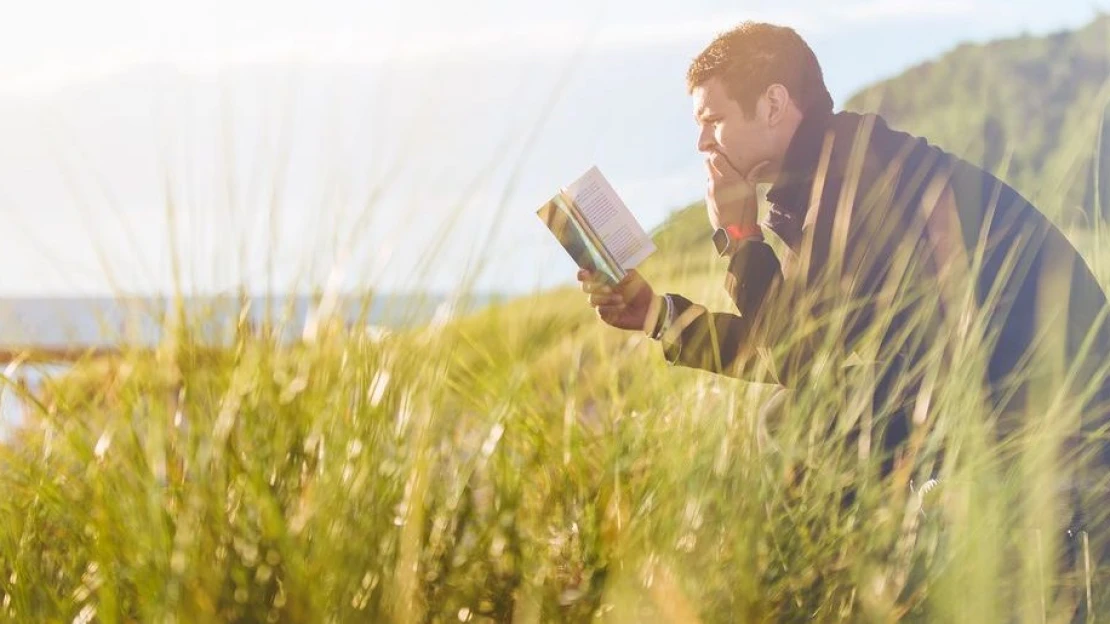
(882, 226)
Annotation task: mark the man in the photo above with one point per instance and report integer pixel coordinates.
(888, 241)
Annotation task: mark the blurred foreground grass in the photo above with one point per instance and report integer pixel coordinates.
(523, 463)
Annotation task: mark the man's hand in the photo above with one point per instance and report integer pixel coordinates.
(624, 306)
(730, 198)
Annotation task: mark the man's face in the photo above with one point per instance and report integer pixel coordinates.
(725, 133)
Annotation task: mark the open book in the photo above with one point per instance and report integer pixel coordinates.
(596, 228)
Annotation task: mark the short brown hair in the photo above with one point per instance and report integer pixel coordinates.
(754, 56)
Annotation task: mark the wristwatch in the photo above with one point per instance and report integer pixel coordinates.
(728, 238)
(662, 316)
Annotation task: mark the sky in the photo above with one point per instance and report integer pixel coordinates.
(393, 145)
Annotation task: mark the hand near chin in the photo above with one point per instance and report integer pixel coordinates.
(730, 197)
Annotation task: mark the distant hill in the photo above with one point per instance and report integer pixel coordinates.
(1032, 109)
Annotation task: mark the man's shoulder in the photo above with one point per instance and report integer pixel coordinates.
(886, 144)
(882, 140)
(915, 155)
(868, 151)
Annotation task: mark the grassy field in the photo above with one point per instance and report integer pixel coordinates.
(524, 463)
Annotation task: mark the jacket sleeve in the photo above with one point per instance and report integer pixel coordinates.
(725, 343)
(782, 323)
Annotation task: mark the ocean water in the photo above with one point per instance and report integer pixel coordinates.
(101, 322)
(11, 409)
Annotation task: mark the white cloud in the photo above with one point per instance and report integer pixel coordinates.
(53, 75)
(539, 38)
(892, 10)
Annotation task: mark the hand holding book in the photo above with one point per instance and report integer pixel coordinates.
(607, 243)
(630, 304)
(595, 227)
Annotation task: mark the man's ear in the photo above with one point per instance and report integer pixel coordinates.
(778, 99)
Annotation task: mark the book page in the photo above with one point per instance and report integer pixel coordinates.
(563, 223)
(612, 222)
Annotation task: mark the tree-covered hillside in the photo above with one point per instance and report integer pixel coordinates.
(1032, 109)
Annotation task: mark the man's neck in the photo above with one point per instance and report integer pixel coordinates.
(792, 182)
(790, 193)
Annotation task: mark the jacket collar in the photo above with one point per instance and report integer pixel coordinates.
(791, 191)
(790, 194)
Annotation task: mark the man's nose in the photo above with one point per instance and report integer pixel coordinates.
(706, 142)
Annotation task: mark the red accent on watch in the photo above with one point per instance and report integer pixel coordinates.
(740, 232)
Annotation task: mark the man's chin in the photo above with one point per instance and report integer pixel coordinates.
(766, 174)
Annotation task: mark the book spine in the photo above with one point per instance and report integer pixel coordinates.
(612, 265)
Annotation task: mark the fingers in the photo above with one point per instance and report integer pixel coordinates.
(712, 171)
(597, 282)
(597, 278)
(606, 300)
(596, 287)
(614, 303)
(610, 314)
(628, 287)
(720, 169)
(601, 294)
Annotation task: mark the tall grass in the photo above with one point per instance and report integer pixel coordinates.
(520, 464)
